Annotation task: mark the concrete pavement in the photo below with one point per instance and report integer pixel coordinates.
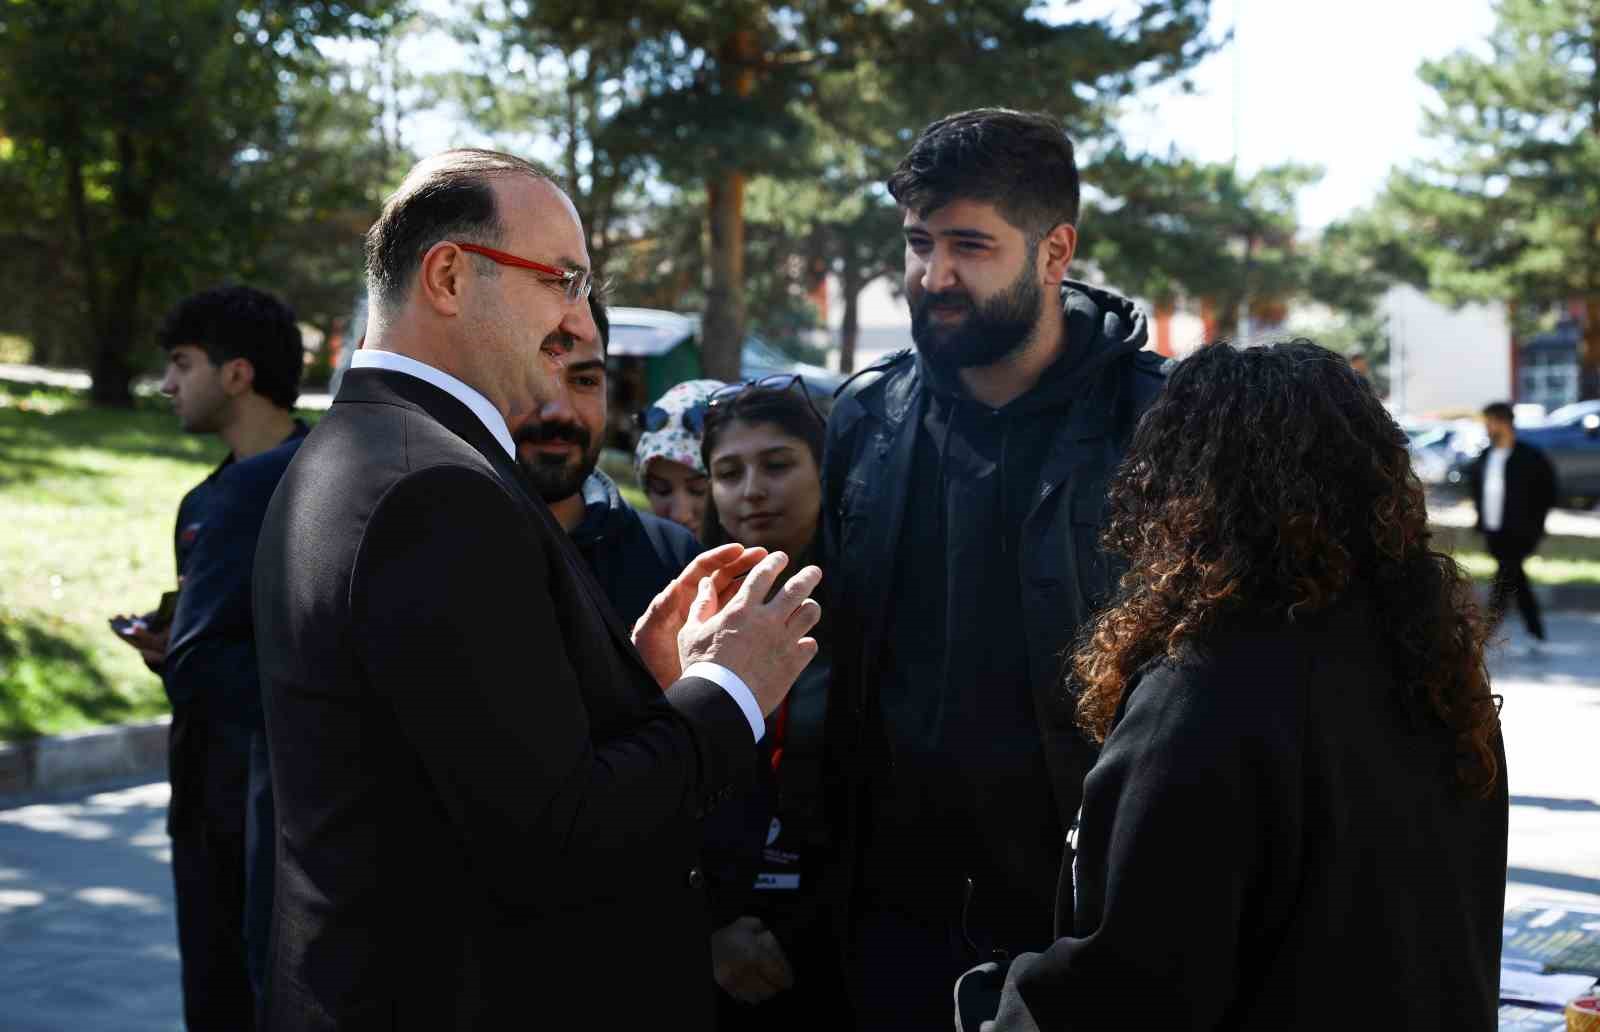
(87, 934)
(87, 929)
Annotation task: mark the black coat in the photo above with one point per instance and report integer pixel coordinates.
(1270, 841)
(463, 843)
(1062, 574)
(1530, 492)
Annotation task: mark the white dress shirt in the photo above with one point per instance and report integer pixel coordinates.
(495, 423)
(488, 415)
(1494, 488)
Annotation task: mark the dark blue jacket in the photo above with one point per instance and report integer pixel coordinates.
(632, 554)
(210, 671)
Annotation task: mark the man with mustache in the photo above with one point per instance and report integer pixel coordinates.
(632, 554)
(963, 487)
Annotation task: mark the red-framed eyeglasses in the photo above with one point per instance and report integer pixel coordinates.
(574, 282)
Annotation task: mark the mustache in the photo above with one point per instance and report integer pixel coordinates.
(553, 432)
(943, 299)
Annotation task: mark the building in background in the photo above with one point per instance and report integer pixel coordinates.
(1445, 360)
(1547, 366)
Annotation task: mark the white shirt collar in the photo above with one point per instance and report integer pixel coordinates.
(488, 415)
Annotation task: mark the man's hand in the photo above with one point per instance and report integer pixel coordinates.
(748, 963)
(151, 645)
(761, 640)
(656, 633)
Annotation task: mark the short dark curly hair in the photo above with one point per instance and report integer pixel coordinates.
(1266, 484)
(1023, 163)
(242, 322)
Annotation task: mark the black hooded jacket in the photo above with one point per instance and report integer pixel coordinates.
(632, 554)
(963, 549)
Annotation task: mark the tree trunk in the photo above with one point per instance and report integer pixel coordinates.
(722, 334)
(849, 324)
(117, 329)
(110, 373)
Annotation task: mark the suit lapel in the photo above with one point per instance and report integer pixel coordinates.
(382, 386)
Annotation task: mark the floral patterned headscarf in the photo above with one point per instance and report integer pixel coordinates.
(674, 441)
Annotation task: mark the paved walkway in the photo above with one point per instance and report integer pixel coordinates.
(86, 920)
(79, 380)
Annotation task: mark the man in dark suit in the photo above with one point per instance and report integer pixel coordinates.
(463, 845)
(1514, 488)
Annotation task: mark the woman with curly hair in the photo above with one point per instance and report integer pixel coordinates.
(1298, 817)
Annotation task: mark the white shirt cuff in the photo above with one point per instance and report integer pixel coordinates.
(734, 685)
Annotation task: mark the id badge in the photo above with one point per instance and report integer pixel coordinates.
(780, 862)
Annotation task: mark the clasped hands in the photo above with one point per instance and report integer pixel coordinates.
(722, 609)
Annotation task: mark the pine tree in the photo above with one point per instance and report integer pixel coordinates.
(1511, 209)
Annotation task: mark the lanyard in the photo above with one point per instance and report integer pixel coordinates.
(780, 732)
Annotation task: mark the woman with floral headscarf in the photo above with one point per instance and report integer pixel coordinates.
(667, 458)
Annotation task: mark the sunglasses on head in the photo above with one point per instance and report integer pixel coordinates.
(694, 417)
(657, 418)
(776, 382)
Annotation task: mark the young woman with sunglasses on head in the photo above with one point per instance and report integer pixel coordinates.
(667, 458)
(763, 450)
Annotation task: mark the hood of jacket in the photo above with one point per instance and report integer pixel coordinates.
(604, 511)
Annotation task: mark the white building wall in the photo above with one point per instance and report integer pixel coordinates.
(1443, 358)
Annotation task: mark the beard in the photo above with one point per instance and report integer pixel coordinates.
(992, 330)
(554, 476)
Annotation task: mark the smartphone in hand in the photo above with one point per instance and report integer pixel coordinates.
(126, 626)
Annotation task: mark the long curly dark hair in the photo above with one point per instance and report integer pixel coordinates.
(1263, 486)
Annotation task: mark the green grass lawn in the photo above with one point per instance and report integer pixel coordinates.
(89, 497)
(1540, 570)
(87, 502)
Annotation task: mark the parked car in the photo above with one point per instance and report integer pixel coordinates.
(1437, 450)
(1570, 436)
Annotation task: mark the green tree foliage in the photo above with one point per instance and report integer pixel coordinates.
(159, 145)
(1511, 207)
(715, 94)
(1166, 228)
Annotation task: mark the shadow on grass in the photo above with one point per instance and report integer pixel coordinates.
(23, 469)
(49, 680)
(132, 433)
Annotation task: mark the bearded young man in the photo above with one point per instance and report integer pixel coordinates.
(963, 488)
(632, 554)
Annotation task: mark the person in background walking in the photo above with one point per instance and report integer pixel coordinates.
(667, 458)
(770, 957)
(233, 370)
(1514, 488)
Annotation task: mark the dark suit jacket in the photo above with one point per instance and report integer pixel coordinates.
(1530, 492)
(463, 844)
(1270, 841)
